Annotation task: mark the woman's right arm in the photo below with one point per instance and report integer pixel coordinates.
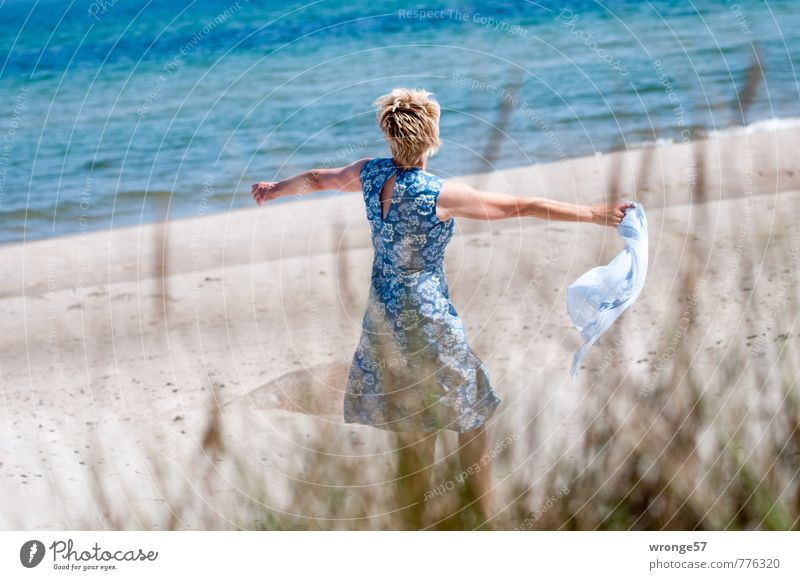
(461, 200)
(347, 178)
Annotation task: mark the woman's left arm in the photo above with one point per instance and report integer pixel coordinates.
(461, 200)
(347, 178)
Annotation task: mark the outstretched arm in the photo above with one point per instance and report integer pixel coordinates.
(346, 178)
(461, 200)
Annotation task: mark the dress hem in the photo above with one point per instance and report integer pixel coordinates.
(486, 413)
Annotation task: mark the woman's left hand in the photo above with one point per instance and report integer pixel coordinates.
(264, 191)
(609, 215)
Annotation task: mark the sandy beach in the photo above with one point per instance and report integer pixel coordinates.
(116, 344)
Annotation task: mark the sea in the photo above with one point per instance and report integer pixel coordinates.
(120, 112)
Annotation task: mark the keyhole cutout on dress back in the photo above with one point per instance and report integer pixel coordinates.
(387, 194)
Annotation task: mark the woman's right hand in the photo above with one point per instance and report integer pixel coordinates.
(264, 191)
(609, 215)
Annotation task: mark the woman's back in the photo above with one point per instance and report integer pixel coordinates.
(409, 237)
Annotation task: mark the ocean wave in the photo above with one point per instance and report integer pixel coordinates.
(653, 143)
(765, 125)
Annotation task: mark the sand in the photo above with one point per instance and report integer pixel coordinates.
(105, 367)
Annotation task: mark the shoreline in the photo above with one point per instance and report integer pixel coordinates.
(752, 130)
(656, 176)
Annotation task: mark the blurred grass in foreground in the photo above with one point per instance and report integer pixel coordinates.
(711, 445)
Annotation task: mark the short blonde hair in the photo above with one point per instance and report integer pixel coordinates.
(409, 120)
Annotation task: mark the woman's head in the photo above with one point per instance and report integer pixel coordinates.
(409, 120)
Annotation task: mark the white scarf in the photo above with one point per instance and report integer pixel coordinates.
(598, 297)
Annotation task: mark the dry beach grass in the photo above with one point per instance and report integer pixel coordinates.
(192, 378)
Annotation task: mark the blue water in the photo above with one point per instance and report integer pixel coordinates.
(117, 112)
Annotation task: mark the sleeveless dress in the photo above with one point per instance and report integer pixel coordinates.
(413, 369)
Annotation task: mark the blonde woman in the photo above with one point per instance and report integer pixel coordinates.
(413, 371)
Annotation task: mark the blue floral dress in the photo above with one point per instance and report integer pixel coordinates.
(413, 369)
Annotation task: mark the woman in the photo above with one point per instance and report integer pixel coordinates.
(413, 371)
